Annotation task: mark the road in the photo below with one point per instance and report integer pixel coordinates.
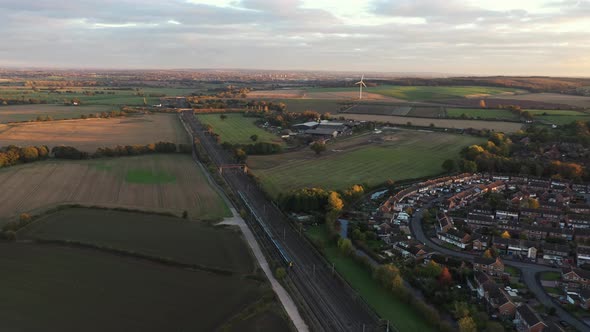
(530, 272)
(330, 303)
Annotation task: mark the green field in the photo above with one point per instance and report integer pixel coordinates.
(401, 155)
(116, 97)
(189, 242)
(19, 113)
(237, 129)
(425, 93)
(400, 314)
(559, 117)
(499, 114)
(318, 105)
(551, 276)
(67, 289)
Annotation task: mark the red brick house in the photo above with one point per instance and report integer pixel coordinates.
(491, 266)
(527, 320)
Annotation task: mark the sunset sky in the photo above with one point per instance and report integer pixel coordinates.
(516, 37)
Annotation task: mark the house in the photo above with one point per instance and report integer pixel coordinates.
(553, 251)
(582, 255)
(578, 220)
(581, 235)
(495, 297)
(455, 237)
(573, 278)
(324, 133)
(491, 266)
(516, 247)
(506, 214)
(477, 220)
(480, 242)
(560, 233)
(585, 298)
(534, 232)
(582, 208)
(444, 222)
(302, 127)
(527, 320)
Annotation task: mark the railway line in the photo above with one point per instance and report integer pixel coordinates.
(329, 302)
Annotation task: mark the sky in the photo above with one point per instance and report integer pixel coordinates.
(480, 37)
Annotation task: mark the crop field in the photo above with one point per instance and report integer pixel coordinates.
(281, 93)
(492, 113)
(377, 109)
(372, 159)
(18, 113)
(88, 290)
(424, 93)
(560, 117)
(401, 316)
(506, 127)
(94, 95)
(237, 129)
(555, 98)
(427, 112)
(189, 242)
(318, 105)
(167, 182)
(89, 134)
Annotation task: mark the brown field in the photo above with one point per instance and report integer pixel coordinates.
(175, 184)
(553, 98)
(18, 113)
(350, 95)
(507, 127)
(90, 134)
(283, 93)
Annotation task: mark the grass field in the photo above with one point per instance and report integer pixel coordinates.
(110, 97)
(237, 129)
(503, 126)
(400, 314)
(559, 117)
(189, 242)
(402, 154)
(425, 93)
(556, 98)
(551, 276)
(20, 113)
(499, 114)
(104, 182)
(86, 290)
(90, 134)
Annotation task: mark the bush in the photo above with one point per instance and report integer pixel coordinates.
(280, 273)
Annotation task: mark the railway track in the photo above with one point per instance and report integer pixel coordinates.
(329, 302)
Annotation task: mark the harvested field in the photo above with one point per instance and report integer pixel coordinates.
(19, 113)
(507, 127)
(104, 182)
(319, 105)
(72, 289)
(376, 109)
(427, 112)
(553, 98)
(347, 93)
(488, 113)
(495, 102)
(188, 242)
(237, 128)
(369, 158)
(89, 134)
(283, 93)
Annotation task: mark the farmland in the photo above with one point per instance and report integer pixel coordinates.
(77, 289)
(89, 134)
(499, 114)
(18, 113)
(237, 129)
(559, 117)
(189, 242)
(507, 127)
(371, 159)
(425, 93)
(555, 98)
(93, 95)
(112, 183)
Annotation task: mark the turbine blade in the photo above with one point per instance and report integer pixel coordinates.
(364, 84)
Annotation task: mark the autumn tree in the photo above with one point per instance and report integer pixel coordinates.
(466, 324)
(318, 147)
(505, 235)
(240, 155)
(482, 103)
(445, 278)
(335, 203)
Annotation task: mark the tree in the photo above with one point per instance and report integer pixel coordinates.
(448, 165)
(254, 138)
(24, 217)
(488, 254)
(505, 235)
(445, 278)
(240, 155)
(335, 203)
(468, 166)
(466, 324)
(318, 147)
(280, 273)
(29, 153)
(482, 103)
(345, 246)
(223, 116)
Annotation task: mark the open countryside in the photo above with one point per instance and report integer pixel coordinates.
(19, 113)
(90, 134)
(371, 159)
(104, 182)
(237, 129)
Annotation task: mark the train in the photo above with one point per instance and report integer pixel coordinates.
(286, 259)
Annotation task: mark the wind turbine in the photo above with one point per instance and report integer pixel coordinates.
(361, 83)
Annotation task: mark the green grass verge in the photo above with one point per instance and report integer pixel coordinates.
(514, 272)
(148, 177)
(400, 314)
(550, 276)
(553, 290)
(237, 129)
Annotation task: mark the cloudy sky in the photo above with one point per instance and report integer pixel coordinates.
(448, 36)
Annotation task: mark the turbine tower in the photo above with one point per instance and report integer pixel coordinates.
(361, 83)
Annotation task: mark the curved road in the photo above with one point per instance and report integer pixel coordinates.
(529, 271)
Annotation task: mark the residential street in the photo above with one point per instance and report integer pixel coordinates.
(529, 271)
